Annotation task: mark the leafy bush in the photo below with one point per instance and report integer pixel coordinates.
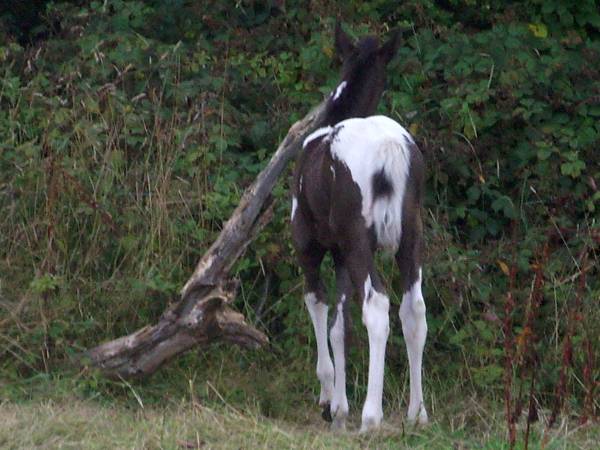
(129, 134)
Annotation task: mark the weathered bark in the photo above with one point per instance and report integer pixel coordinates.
(203, 314)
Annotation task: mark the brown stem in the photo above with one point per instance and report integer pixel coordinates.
(532, 413)
(573, 316)
(509, 306)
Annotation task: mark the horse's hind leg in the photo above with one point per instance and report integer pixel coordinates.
(412, 313)
(310, 254)
(358, 256)
(338, 336)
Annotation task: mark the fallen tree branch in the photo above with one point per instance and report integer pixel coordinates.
(203, 313)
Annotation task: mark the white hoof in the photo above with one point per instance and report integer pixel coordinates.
(338, 424)
(338, 415)
(419, 418)
(371, 420)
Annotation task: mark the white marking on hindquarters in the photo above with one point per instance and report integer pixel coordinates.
(294, 206)
(318, 315)
(367, 146)
(376, 319)
(339, 90)
(337, 336)
(367, 288)
(332, 171)
(414, 328)
(316, 134)
(416, 293)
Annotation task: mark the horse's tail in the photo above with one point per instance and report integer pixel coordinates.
(389, 186)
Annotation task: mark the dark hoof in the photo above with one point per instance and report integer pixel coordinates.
(326, 414)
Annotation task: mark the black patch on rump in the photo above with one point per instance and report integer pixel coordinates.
(382, 186)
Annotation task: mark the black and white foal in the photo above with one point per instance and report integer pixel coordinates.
(357, 187)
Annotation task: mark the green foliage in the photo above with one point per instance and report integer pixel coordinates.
(128, 134)
(474, 90)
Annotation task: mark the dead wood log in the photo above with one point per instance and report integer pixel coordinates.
(203, 313)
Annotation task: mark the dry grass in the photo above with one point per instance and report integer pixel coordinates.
(76, 423)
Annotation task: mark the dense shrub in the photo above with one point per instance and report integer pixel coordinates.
(128, 134)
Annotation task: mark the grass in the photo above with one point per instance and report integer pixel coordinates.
(245, 407)
(83, 424)
(77, 423)
(111, 200)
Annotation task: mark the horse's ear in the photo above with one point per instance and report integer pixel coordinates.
(389, 49)
(343, 42)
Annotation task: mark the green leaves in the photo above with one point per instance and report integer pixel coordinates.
(500, 107)
(505, 204)
(539, 30)
(573, 167)
(157, 114)
(44, 283)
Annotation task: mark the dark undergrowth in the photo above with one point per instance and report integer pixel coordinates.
(129, 129)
